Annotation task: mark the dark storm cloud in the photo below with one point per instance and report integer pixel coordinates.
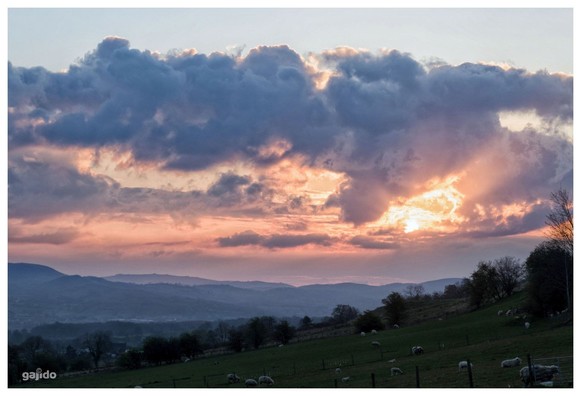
(276, 241)
(189, 111)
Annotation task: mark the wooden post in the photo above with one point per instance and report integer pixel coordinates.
(417, 377)
(323, 362)
(373, 380)
(531, 371)
(335, 382)
(470, 373)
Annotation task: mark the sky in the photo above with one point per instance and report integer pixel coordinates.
(292, 145)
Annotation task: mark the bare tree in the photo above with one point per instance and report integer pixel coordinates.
(560, 220)
(98, 344)
(510, 273)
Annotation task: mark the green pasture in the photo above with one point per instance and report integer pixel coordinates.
(482, 336)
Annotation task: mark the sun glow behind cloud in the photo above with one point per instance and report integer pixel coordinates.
(434, 210)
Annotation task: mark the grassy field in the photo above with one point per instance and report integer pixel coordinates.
(481, 336)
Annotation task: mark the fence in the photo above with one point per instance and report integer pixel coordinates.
(564, 379)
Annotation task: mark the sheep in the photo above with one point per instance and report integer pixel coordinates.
(527, 325)
(417, 350)
(395, 326)
(396, 371)
(232, 378)
(250, 382)
(345, 379)
(463, 365)
(375, 343)
(391, 360)
(362, 334)
(373, 331)
(500, 312)
(265, 379)
(338, 370)
(541, 373)
(510, 362)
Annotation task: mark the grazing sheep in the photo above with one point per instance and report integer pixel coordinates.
(500, 312)
(232, 378)
(375, 343)
(396, 371)
(250, 382)
(510, 362)
(373, 331)
(463, 365)
(542, 373)
(265, 379)
(509, 313)
(392, 360)
(345, 379)
(395, 326)
(362, 334)
(338, 370)
(527, 325)
(417, 350)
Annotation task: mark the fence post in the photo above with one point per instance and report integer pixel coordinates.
(323, 362)
(373, 380)
(470, 379)
(335, 382)
(417, 377)
(531, 371)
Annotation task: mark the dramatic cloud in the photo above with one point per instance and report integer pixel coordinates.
(276, 241)
(382, 141)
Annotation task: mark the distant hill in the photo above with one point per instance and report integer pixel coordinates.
(144, 279)
(35, 273)
(39, 295)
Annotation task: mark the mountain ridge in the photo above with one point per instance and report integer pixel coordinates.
(38, 295)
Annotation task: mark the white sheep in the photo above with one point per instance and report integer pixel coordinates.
(500, 312)
(232, 378)
(463, 365)
(527, 325)
(265, 379)
(509, 313)
(395, 326)
(250, 382)
(373, 331)
(542, 373)
(338, 370)
(396, 371)
(362, 334)
(417, 350)
(375, 343)
(510, 362)
(345, 379)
